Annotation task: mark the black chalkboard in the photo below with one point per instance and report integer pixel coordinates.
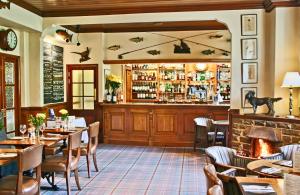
(53, 73)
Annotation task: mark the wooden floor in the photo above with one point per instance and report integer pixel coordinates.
(135, 170)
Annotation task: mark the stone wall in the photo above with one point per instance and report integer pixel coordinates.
(288, 130)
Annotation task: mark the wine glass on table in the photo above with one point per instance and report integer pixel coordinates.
(23, 130)
(43, 127)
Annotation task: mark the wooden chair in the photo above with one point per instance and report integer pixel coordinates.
(91, 147)
(29, 158)
(66, 163)
(211, 177)
(215, 190)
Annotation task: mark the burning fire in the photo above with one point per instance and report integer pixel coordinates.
(265, 148)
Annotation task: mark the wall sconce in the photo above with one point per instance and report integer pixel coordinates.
(64, 35)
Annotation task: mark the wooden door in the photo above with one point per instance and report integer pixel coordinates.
(9, 90)
(82, 90)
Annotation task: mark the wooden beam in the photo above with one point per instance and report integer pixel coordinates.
(141, 61)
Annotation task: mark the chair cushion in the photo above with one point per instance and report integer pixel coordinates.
(220, 154)
(289, 150)
(8, 185)
(55, 149)
(57, 164)
(83, 150)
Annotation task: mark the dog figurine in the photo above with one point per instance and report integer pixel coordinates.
(254, 101)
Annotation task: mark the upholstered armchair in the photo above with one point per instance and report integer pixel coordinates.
(285, 153)
(224, 158)
(288, 150)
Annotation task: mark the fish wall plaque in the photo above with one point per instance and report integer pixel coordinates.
(137, 39)
(114, 47)
(215, 36)
(208, 52)
(154, 52)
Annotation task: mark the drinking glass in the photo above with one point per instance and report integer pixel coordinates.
(23, 129)
(42, 129)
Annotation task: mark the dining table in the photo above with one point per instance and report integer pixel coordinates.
(23, 142)
(276, 184)
(261, 167)
(5, 158)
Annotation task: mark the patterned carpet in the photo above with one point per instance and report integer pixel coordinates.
(135, 170)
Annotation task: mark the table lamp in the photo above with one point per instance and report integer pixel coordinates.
(291, 80)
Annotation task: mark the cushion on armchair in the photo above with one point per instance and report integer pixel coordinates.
(220, 154)
(288, 151)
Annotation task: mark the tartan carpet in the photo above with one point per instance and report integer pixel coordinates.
(135, 170)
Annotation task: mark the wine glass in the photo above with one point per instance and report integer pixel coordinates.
(23, 129)
(43, 127)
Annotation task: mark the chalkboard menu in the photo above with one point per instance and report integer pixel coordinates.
(53, 74)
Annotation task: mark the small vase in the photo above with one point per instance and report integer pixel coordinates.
(37, 131)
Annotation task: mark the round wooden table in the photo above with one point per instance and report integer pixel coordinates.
(257, 164)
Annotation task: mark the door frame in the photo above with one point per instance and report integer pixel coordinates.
(70, 67)
(17, 101)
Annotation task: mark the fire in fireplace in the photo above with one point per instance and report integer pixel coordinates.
(263, 141)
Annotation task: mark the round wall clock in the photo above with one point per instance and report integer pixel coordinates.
(8, 40)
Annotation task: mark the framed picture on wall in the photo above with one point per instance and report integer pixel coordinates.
(249, 73)
(244, 91)
(249, 24)
(249, 49)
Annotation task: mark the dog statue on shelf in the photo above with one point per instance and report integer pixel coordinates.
(254, 101)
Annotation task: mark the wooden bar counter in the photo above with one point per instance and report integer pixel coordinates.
(156, 124)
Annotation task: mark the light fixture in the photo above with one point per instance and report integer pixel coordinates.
(201, 67)
(77, 30)
(291, 80)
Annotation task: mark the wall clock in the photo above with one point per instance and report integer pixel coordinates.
(8, 40)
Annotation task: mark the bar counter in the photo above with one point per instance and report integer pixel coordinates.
(154, 123)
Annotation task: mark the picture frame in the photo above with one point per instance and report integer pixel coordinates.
(249, 24)
(249, 49)
(244, 91)
(249, 73)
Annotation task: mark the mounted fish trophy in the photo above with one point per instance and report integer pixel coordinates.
(64, 35)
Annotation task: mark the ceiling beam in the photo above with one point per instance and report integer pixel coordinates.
(269, 5)
(27, 6)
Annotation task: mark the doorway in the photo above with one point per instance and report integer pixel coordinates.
(82, 90)
(9, 89)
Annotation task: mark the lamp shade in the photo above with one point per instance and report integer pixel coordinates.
(291, 80)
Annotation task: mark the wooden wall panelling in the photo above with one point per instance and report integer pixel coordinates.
(26, 111)
(138, 125)
(153, 124)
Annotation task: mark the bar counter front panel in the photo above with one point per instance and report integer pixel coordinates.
(156, 124)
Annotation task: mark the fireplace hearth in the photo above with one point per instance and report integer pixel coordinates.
(263, 141)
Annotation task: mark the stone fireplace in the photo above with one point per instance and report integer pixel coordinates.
(286, 131)
(263, 141)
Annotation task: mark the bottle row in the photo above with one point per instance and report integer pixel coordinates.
(144, 87)
(145, 95)
(143, 76)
